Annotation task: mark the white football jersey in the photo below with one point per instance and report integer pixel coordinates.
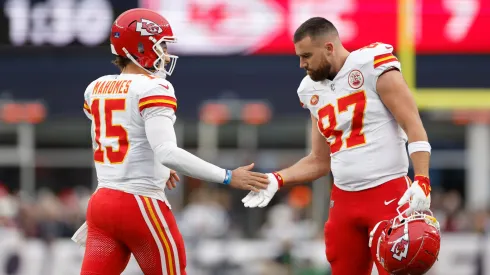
(118, 106)
(367, 145)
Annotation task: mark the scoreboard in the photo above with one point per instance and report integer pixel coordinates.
(59, 23)
(266, 27)
(252, 26)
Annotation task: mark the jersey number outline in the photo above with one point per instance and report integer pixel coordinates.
(102, 153)
(327, 113)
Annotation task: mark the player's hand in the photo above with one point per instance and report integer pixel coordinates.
(244, 178)
(262, 198)
(172, 180)
(418, 195)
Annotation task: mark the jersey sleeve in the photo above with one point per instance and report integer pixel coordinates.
(303, 91)
(158, 100)
(86, 110)
(383, 59)
(379, 60)
(86, 102)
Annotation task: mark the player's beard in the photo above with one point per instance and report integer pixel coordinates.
(322, 73)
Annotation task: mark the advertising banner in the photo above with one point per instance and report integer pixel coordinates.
(267, 26)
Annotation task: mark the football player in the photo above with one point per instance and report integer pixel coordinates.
(361, 105)
(133, 115)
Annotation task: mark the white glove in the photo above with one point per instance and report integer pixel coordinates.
(263, 197)
(418, 196)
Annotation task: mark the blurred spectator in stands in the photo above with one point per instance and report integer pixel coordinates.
(205, 216)
(8, 207)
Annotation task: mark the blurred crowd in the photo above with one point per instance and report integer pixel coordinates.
(208, 212)
(212, 213)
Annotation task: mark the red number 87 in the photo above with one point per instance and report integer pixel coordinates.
(327, 121)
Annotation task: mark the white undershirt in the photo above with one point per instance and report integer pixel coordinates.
(161, 136)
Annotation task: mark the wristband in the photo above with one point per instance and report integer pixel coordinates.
(418, 146)
(227, 177)
(424, 183)
(280, 180)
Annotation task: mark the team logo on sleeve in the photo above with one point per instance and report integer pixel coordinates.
(356, 79)
(314, 100)
(147, 27)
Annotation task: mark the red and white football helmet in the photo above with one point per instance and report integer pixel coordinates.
(141, 35)
(406, 245)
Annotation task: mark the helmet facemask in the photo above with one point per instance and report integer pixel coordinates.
(159, 67)
(402, 219)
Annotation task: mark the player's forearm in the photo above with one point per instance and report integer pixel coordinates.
(307, 169)
(420, 159)
(420, 162)
(161, 136)
(188, 164)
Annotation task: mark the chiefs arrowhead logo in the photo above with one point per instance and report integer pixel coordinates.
(314, 100)
(148, 28)
(356, 79)
(400, 248)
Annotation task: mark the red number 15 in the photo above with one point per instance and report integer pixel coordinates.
(109, 106)
(327, 121)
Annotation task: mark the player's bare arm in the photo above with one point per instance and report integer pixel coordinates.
(396, 95)
(312, 167)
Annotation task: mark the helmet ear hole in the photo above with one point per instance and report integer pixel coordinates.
(141, 48)
(389, 231)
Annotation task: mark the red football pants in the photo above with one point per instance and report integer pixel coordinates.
(352, 217)
(120, 224)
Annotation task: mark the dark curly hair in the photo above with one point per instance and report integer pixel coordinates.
(121, 62)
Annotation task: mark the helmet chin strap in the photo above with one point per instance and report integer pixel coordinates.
(405, 232)
(159, 64)
(158, 73)
(371, 234)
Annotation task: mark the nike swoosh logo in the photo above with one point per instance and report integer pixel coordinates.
(166, 87)
(388, 202)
